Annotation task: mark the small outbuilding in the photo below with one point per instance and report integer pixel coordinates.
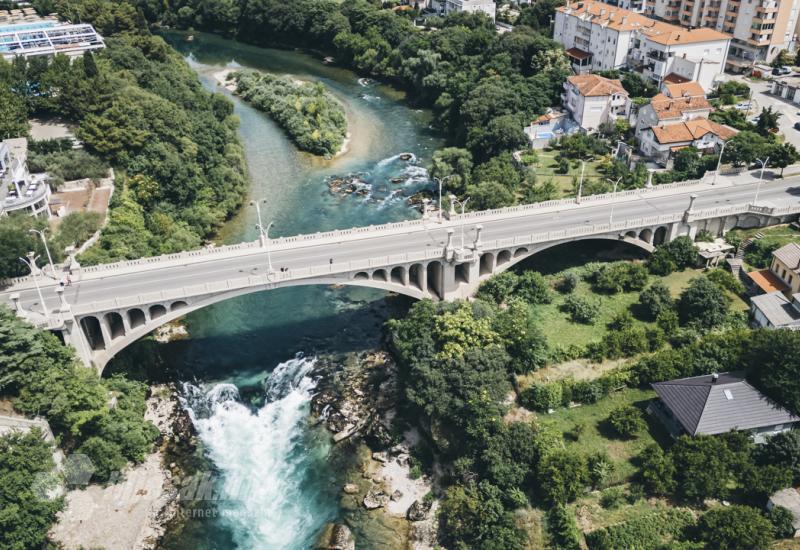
(718, 403)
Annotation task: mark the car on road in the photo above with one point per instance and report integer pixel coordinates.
(797, 125)
(782, 71)
(743, 106)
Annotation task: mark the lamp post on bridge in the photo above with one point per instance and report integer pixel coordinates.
(611, 216)
(46, 249)
(463, 206)
(263, 233)
(719, 162)
(760, 178)
(440, 181)
(30, 261)
(580, 186)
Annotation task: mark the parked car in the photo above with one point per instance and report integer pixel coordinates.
(797, 125)
(743, 106)
(782, 71)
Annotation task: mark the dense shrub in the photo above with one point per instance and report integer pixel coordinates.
(783, 449)
(562, 528)
(620, 276)
(655, 300)
(735, 527)
(646, 532)
(782, 521)
(498, 287)
(311, 116)
(542, 397)
(677, 254)
(563, 476)
(759, 253)
(580, 309)
(534, 288)
(725, 279)
(68, 165)
(657, 471)
(774, 360)
(627, 421)
(567, 283)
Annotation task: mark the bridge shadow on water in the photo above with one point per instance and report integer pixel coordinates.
(252, 344)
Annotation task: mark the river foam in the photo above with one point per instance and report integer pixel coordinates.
(264, 457)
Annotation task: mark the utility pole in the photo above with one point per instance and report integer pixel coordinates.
(46, 249)
(719, 162)
(440, 181)
(263, 233)
(760, 178)
(611, 216)
(580, 186)
(30, 261)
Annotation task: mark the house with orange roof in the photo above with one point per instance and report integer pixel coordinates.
(675, 104)
(661, 142)
(598, 36)
(593, 100)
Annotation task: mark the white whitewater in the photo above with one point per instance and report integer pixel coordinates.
(264, 457)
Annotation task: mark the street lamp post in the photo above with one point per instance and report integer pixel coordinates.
(611, 216)
(30, 261)
(263, 233)
(760, 178)
(580, 186)
(719, 162)
(441, 181)
(46, 249)
(463, 206)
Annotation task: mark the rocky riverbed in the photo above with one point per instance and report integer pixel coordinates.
(382, 496)
(132, 513)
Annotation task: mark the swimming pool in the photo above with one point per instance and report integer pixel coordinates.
(545, 135)
(22, 27)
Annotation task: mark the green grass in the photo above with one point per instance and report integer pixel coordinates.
(679, 280)
(545, 169)
(561, 331)
(595, 435)
(591, 516)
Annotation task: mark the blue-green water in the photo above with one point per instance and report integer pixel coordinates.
(275, 474)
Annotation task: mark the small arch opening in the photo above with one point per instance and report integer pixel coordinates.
(136, 317)
(361, 275)
(631, 234)
(157, 311)
(487, 264)
(115, 325)
(646, 235)
(504, 257)
(379, 275)
(435, 279)
(180, 304)
(398, 275)
(91, 329)
(660, 236)
(415, 276)
(520, 251)
(462, 273)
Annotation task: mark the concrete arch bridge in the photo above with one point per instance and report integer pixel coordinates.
(110, 306)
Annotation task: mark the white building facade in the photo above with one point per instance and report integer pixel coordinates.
(593, 100)
(471, 6)
(598, 36)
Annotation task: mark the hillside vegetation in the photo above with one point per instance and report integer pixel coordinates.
(306, 111)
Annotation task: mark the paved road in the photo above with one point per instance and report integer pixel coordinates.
(789, 111)
(367, 245)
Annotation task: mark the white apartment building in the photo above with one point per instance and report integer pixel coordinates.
(18, 189)
(593, 100)
(486, 6)
(599, 36)
(760, 28)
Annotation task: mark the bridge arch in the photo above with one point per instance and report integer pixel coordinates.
(116, 327)
(157, 310)
(646, 235)
(380, 275)
(136, 317)
(660, 236)
(90, 325)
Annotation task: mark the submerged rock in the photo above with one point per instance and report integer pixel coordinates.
(335, 536)
(350, 488)
(406, 156)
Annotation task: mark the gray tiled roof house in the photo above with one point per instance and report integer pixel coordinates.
(715, 404)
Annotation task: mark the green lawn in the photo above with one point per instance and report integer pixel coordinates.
(679, 280)
(545, 169)
(594, 435)
(590, 514)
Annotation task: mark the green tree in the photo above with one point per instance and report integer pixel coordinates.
(702, 467)
(456, 165)
(562, 476)
(735, 527)
(773, 359)
(489, 195)
(744, 148)
(499, 287)
(767, 121)
(703, 304)
(580, 309)
(782, 155)
(534, 288)
(655, 300)
(657, 471)
(782, 521)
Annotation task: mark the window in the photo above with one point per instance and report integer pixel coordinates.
(728, 395)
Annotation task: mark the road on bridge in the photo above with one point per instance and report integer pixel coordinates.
(120, 283)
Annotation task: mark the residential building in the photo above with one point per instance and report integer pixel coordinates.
(676, 103)
(18, 189)
(718, 403)
(790, 499)
(598, 36)
(775, 310)
(760, 28)
(486, 6)
(779, 304)
(47, 37)
(594, 100)
(661, 142)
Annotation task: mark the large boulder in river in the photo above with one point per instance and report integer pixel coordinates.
(335, 536)
(418, 511)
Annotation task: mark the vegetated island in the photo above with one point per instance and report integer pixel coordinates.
(311, 116)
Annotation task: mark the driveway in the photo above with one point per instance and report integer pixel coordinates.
(762, 98)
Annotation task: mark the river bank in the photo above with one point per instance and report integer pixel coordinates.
(387, 502)
(134, 512)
